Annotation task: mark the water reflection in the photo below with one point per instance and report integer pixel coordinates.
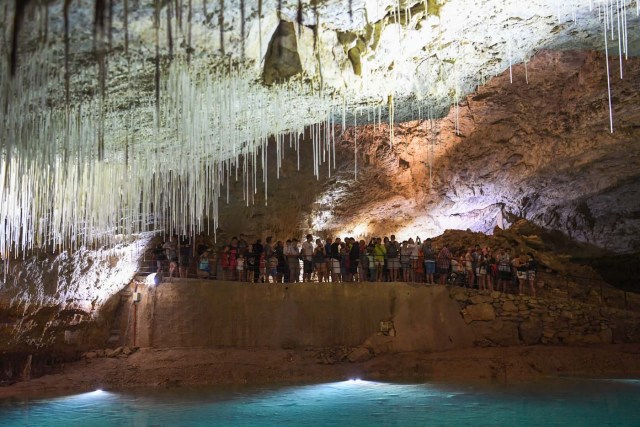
(563, 402)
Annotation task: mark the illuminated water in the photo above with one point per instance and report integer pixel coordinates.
(351, 403)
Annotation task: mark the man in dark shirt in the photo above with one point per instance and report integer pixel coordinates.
(354, 258)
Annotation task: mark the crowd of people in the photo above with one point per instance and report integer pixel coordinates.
(347, 260)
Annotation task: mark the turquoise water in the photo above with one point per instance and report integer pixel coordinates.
(349, 403)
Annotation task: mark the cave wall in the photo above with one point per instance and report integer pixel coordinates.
(63, 303)
(224, 314)
(540, 150)
(423, 318)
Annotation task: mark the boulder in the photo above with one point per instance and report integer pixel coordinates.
(479, 299)
(500, 333)
(458, 293)
(114, 352)
(509, 306)
(359, 354)
(530, 331)
(380, 343)
(480, 312)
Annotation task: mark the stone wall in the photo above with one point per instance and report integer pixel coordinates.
(199, 313)
(499, 319)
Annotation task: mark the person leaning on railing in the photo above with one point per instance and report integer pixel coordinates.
(379, 252)
(429, 255)
(443, 263)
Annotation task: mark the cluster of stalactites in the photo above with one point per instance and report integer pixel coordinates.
(79, 172)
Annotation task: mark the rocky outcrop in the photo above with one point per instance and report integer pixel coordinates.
(540, 150)
(53, 307)
(499, 319)
(282, 60)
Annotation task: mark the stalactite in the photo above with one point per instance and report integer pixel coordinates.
(299, 17)
(18, 18)
(242, 28)
(45, 38)
(156, 25)
(169, 33)
(217, 125)
(98, 19)
(65, 11)
(606, 50)
(189, 17)
(110, 23)
(177, 6)
(391, 118)
(221, 25)
(260, 28)
(126, 28)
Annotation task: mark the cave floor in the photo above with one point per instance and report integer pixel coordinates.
(178, 367)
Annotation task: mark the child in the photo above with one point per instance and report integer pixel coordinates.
(263, 268)
(204, 268)
(224, 262)
(251, 264)
(273, 267)
(240, 267)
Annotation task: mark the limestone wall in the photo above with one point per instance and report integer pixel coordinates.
(504, 319)
(210, 313)
(196, 313)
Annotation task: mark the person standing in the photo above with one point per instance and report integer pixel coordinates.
(160, 256)
(444, 264)
(171, 248)
(307, 258)
(393, 261)
(320, 261)
(185, 255)
(293, 260)
(429, 261)
(379, 253)
(336, 270)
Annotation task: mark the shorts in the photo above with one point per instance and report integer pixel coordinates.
(353, 266)
(522, 275)
(393, 263)
(308, 266)
(531, 275)
(442, 270)
(429, 267)
(379, 263)
(335, 266)
(505, 275)
(481, 271)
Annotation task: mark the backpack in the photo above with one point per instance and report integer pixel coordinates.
(392, 252)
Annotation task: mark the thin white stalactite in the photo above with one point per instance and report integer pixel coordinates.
(606, 50)
(355, 145)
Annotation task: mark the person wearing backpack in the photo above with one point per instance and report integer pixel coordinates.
(393, 262)
(429, 261)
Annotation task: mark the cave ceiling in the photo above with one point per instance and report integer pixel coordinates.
(111, 108)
